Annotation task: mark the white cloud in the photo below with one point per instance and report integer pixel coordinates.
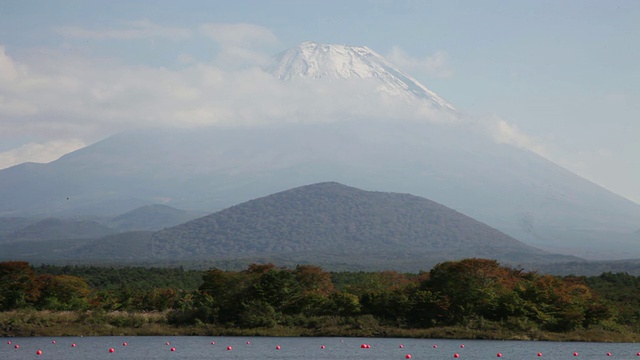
(434, 65)
(503, 132)
(140, 29)
(62, 96)
(39, 152)
(241, 44)
(8, 69)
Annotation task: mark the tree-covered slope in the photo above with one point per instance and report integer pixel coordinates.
(330, 220)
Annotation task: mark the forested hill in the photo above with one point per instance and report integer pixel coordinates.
(331, 222)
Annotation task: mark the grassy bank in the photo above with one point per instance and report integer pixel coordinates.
(68, 323)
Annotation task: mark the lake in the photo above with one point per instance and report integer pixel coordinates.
(322, 348)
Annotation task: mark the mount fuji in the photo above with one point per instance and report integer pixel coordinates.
(311, 60)
(509, 188)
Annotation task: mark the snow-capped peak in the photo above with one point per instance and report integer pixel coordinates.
(311, 60)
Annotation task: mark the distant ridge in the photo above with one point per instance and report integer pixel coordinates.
(150, 218)
(56, 229)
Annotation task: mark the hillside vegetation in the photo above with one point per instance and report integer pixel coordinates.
(333, 221)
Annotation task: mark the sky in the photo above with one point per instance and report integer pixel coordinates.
(559, 77)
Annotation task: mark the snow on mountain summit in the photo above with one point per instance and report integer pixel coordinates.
(311, 60)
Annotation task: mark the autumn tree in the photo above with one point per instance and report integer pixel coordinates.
(63, 292)
(18, 285)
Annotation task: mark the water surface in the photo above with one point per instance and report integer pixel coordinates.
(321, 348)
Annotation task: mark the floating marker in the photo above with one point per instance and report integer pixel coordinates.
(462, 346)
(53, 342)
(73, 345)
(229, 348)
(277, 347)
(17, 346)
(322, 347)
(408, 356)
(608, 354)
(401, 346)
(539, 354)
(499, 355)
(575, 353)
(435, 346)
(8, 342)
(173, 349)
(39, 352)
(112, 350)
(213, 343)
(124, 344)
(248, 342)
(456, 355)
(167, 343)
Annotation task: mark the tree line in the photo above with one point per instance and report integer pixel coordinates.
(453, 293)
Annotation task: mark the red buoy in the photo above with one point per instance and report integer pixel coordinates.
(53, 342)
(499, 354)
(462, 346)
(229, 348)
(322, 347)
(435, 346)
(575, 353)
(167, 343)
(173, 349)
(539, 354)
(408, 356)
(17, 346)
(213, 343)
(39, 352)
(112, 350)
(124, 344)
(277, 347)
(456, 355)
(248, 342)
(401, 346)
(8, 342)
(608, 354)
(73, 345)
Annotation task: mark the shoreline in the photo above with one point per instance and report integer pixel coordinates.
(33, 323)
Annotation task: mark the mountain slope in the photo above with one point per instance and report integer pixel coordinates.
(515, 191)
(341, 222)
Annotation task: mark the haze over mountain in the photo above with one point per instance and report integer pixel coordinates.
(420, 145)
(56, 229)
(145, 218)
